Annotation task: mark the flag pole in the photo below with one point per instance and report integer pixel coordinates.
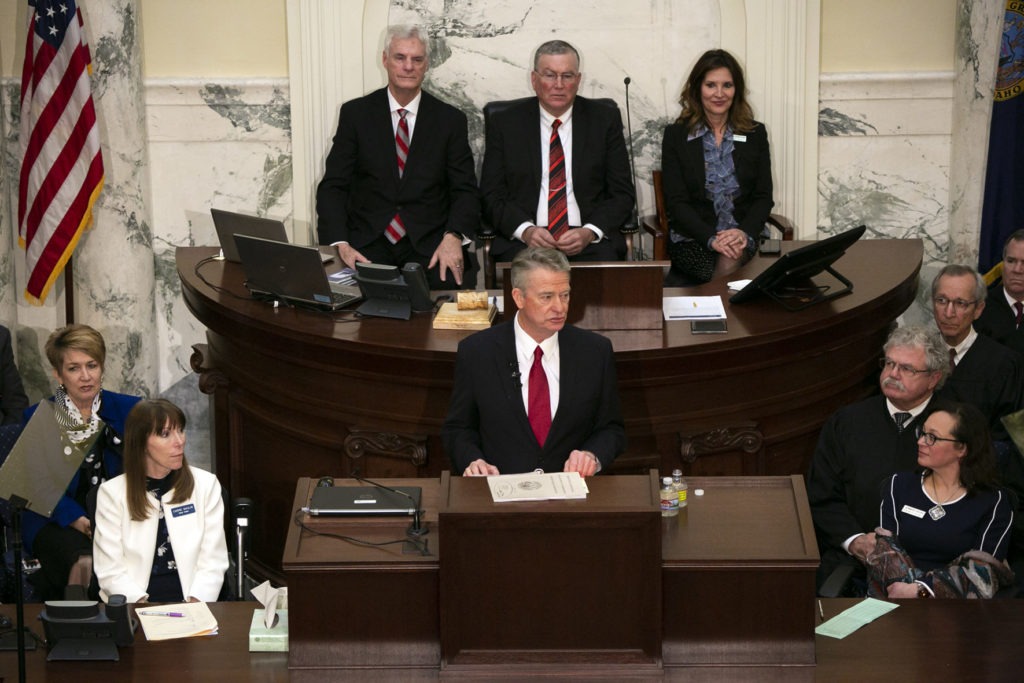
(69, 292)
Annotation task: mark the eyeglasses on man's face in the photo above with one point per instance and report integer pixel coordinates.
(929, 438)
(958, 304)
(551, 77)
(889, 365)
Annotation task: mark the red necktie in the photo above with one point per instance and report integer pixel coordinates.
(539, 399)
(1020, 311)
(396, 229)
(558, 208)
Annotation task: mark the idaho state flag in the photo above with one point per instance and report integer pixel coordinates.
(1003, 210)
(61, 167)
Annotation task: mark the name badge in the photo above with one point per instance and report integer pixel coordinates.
(183, 510)
(910, 510)
(739, 138)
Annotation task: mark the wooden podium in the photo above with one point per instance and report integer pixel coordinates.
(571, 588)
(569, 584)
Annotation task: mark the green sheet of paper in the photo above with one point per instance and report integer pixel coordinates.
(848, 621)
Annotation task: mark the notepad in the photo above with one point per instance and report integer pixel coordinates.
(848, 621)
(198, 620)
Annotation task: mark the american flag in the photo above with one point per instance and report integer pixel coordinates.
(61, 166)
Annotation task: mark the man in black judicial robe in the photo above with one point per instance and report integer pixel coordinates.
(864, 444)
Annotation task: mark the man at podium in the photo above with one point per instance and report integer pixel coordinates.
(535, 393)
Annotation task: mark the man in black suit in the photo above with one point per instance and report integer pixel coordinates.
(535, 393)
(1004, 305)
(515, 182)
(390, 195)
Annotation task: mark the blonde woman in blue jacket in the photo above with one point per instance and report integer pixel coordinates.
(159, 533)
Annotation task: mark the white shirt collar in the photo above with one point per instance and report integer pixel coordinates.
(525, 344)
(413, 107)
(965, 346)
(914, 412)
(548, 119)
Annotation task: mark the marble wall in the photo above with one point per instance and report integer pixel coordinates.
(884, 160)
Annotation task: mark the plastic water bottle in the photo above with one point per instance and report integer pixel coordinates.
(681, 488)
(669, 498)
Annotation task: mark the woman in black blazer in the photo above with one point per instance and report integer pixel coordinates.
(716, 172)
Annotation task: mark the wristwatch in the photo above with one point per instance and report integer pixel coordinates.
(923, 592)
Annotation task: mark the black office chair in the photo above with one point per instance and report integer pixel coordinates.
(487, 233)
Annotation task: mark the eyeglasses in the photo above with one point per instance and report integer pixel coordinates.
(552, 78)
(890, 365)
(930, 438)
(958, 304)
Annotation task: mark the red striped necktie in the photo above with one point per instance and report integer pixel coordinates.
(396, 228)
(558, 207)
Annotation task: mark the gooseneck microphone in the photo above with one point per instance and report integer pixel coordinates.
(639, 256)
(416, 529)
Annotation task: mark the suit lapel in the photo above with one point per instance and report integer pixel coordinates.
(507, 367)
(579, 137)
(425, 122)
(567, 352)
(383, 135)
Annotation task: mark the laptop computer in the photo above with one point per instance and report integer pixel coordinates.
(345, 501)
(229, 224)
(291, 272)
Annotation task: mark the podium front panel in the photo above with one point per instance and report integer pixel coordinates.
(565, 583)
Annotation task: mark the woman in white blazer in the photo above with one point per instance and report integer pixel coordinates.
(159, 533)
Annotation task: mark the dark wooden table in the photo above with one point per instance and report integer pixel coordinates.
(297, 393)
(923, 640)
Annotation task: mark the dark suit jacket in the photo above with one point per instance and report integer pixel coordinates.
(990, 377)
(487, 418)
(999, 321)
(690, 212)
(12, 394)
(511, 175)
(361, 191)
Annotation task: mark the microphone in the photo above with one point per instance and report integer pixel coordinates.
(632, 166)
(416, 528)
(516, 377)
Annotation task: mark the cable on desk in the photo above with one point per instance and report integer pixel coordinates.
(419, 543)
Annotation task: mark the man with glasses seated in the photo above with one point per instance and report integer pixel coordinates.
(555, 171)
(862, 445)
(984, 373)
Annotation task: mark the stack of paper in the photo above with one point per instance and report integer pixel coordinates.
(185, 620)
(537, 486)
(451, 318)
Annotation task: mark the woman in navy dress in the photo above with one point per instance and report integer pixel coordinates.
(945, 530)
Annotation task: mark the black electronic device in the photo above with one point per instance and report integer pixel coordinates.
(389, 293)
(715, 326)
(85, 630)
(788, 280)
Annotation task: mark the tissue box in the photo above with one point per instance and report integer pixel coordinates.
(263, 639)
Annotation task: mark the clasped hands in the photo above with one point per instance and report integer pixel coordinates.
(571, 243)
(730, 243)
(448, 254)
(583, 462)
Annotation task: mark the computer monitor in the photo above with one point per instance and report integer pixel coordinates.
(788, 280)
